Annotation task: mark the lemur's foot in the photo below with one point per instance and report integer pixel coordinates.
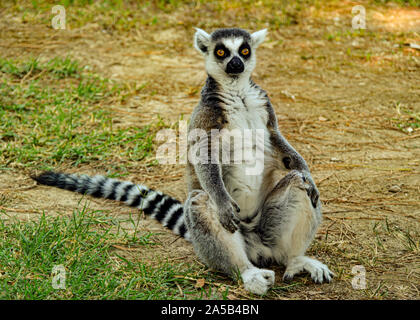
(319, 272)
(258, 281)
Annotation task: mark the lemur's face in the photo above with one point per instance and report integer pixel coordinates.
(229, 53)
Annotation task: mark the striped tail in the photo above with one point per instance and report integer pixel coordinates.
(155, 204)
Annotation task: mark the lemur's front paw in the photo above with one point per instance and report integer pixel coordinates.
(311, 188)
(227, 216)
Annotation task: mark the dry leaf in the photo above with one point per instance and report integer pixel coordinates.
(200, 283)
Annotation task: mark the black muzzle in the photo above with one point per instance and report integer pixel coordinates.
(235, 66)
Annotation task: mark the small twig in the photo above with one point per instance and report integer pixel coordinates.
(124, 248)
(19, 189)
(179, 237)
(179, 288)
(38, 75)
(17, 210)
(409, 137)
(27, 75)
(353, 218)
(326, 178)
(178, 258)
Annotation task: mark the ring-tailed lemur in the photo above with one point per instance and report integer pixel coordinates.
(236, 222)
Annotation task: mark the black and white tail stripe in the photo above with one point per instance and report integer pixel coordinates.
(155, 204)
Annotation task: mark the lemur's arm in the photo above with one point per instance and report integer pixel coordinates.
(209, 174)
(210, 178)
(291, 159)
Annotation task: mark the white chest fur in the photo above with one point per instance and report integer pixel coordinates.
(247, 116)
(246, 110)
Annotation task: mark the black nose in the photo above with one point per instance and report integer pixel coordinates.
(235, 65)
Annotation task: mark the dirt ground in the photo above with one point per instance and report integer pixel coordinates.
(339, 96)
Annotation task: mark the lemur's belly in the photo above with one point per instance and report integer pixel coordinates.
(244, 189)
(248, 144)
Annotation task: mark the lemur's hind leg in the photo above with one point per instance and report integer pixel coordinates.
(218, 248)
(288, 225)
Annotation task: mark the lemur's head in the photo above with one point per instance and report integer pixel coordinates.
(229, 53)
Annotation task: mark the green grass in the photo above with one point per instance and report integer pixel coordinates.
(122, 16)
(129, 15)
(414, 3)
(53, 113)
(408, 120)
(83, 245)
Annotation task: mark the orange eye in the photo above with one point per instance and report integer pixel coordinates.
(220, 52)
(245, 51)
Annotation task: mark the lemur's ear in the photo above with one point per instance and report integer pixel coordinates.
(258, 37)
(201, 40)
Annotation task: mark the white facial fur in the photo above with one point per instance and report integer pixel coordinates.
(215, 67)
